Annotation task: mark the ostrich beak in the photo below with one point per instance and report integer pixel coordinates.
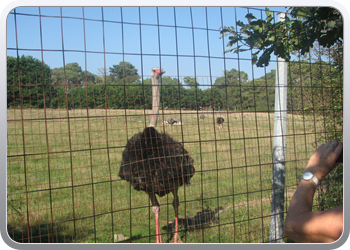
(159, 72)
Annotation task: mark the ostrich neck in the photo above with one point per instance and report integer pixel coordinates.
(155, 101)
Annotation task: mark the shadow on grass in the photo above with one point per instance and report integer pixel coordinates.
(202, 219)
(39, 234)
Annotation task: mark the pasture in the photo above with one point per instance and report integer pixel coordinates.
(63, 184)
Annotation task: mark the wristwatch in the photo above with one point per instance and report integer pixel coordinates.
(307, 176)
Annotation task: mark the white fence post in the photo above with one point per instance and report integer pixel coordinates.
(279, 149)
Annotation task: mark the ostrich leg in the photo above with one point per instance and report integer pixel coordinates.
(176, 205)
(156, 209)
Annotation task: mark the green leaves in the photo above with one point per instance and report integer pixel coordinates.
(297, 33)
(191, 82)
(269, 15)
(232, 77)
(124, 70)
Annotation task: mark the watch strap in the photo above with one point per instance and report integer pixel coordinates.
(314, 179)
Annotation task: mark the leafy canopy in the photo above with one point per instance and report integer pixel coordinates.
(232, 77)
(73, 74)
(301, 28)
(124, 70)
(191, 82)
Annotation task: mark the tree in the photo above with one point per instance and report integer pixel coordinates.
(191, 82)
(72, 75)
(302, 27)
(30, 69)
(124, 71)
(232, 77)
(103, 76)
(26, 78)
(304, 30)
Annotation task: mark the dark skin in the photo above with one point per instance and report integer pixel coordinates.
(304, 226)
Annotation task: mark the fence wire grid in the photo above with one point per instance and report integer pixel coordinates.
(82, 88)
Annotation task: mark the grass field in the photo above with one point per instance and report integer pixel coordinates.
(63, 184)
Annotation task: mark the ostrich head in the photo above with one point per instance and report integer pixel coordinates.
(156, 74)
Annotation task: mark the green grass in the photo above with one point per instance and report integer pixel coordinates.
(64, 186)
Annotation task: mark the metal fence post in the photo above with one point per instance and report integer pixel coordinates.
(279, 150)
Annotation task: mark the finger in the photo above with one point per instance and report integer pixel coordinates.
(334, 153)
(339, 148)
(324, 146)
(335, 141)
(333, 145)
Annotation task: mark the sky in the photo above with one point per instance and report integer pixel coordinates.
(184, 41)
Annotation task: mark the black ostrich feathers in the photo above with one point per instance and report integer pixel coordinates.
(172, 121)
(155, 163)
(220, 120)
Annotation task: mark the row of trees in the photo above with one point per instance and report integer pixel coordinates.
(39, 86)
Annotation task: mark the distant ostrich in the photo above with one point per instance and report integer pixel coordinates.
(220, 121)
(171, 121)
(202, 117)
(155, 163)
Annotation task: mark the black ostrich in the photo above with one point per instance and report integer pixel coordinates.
(220, 121)
(171, 121)
(156, 163)
(202, 117)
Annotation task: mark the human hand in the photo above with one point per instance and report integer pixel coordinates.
(323, 160)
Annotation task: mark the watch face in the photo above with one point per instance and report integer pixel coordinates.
(307, 176)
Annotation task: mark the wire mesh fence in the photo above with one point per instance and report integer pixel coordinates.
(67, 128)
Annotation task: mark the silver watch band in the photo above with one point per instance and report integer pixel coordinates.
(307, 176)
